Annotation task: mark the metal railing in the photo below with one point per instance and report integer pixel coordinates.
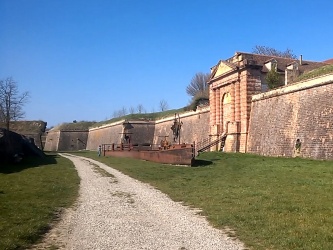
(206, 144)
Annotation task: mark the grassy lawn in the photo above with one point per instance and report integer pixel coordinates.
(31, 194)
(270, 203)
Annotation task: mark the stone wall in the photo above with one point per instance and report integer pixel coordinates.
(303, 111)
(66, 140)
(142, 132)
(110, 133)
(195, 128)
(72, 140)
(52, 140)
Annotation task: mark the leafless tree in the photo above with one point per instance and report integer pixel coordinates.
(140, 108)
(11, 102)
(123, 111)
(198, 85)
(264, 50)
(131, 110)
(114, 114)
(163, 105)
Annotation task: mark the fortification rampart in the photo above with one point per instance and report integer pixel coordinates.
(52, 140)
(194, 128)
(30, 129)
(66, 140)
(295, 120)
(109, 133)
(139, 132)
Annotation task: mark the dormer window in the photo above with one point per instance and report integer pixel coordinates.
(293, 66)
(271, 64)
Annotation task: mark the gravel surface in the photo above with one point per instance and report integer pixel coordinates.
(114, 211)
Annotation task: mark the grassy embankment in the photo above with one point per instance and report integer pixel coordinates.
(31, 194)
(315, 73)
(271, 203)
(84, 125)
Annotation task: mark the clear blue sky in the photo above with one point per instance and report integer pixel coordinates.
(86, 59)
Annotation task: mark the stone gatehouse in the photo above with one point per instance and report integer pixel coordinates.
(232, 84)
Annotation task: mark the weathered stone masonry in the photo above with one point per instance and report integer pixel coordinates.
(194, 129)
(302, 111)
(66, 140)
(232, 84)
(141, 132)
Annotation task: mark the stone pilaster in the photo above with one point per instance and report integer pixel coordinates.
(212, 107)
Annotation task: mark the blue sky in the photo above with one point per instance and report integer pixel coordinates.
(87, 59)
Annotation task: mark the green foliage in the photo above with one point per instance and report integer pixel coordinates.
(273, 79)
(197, 100)
(75, 125)
(269, 203)
(316, 72)
(31, 195)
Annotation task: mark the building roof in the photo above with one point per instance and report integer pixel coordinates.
(282, 62)
(329, 61)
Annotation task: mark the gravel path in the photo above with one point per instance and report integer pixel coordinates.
(115, 211)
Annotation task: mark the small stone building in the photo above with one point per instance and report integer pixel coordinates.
(232, 84)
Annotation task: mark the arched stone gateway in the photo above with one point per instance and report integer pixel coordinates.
(232, 84)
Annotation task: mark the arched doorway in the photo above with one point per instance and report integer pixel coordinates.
(226, 111)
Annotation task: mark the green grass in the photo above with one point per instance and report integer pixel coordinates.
(270, 203)
(84, 125)
(143, 116)
(81, 125)
(316, 72)
(31, 195)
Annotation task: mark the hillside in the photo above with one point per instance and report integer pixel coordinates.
(315, 73)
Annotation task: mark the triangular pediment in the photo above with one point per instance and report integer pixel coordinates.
(221, 68)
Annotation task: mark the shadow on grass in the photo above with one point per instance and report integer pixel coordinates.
(201, 163)
(29, 162)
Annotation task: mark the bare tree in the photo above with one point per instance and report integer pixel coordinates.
(123, 111)
(264, 50)
(131, 110)
(198, 85)
(140, 108)
(163, 105)
(11, 102)
(115, 114)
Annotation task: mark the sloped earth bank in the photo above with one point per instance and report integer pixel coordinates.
(115, 211)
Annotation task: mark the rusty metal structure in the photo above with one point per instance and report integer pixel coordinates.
(165, 152)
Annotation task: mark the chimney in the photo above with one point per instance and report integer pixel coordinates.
(300, 60)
